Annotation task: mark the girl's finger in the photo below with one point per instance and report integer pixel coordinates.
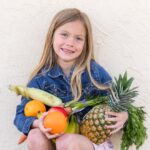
(48, 130)
(52, 136)
(41, 119)
(116, 130)
(44, 130)
(111, 113)
(113, 119)
(114, 126)
(111, 126)
(43, 116)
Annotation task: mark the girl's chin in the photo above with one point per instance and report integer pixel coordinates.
(65, 60)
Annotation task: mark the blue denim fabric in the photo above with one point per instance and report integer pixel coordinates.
(55, 82)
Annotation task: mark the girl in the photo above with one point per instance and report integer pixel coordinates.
(68, 70)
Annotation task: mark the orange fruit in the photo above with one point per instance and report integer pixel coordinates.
(33, 107)
(56, 121)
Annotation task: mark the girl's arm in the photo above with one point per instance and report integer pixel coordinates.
(22, 122)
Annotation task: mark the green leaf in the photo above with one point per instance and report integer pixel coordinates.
(134, 131)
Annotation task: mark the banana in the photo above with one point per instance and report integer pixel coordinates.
(73, 126)
(77, 127)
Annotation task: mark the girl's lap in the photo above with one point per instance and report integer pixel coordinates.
(82, 143)
(74, 142)
(104, 146)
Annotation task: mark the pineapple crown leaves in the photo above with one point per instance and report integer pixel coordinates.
(121, 93)
(123, 86)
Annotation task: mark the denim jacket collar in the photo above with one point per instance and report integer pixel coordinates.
(56, 71)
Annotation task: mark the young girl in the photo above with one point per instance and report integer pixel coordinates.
(68, 70)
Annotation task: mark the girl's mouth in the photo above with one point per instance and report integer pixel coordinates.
(67, 51)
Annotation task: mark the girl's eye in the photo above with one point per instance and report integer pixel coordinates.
(79, 39)
(64, 34)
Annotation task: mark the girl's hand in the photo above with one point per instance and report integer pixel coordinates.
(119, 118)
(47, 131)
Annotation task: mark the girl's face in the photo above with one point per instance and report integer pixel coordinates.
(68, 41)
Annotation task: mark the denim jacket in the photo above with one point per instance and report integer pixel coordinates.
(55, 82)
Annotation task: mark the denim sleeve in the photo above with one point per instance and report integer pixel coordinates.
(101, 76)
(22, 122)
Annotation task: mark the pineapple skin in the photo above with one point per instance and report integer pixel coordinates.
(93, 125)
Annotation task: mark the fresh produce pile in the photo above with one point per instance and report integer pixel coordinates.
(120, 98)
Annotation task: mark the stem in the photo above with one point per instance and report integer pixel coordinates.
(79, 105)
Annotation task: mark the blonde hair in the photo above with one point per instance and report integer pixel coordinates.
(48, 59)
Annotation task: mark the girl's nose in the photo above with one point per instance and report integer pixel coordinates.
(70, 42)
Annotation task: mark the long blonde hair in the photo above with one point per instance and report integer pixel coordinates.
(48, 59)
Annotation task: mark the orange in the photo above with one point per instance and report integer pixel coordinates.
(33, 107)
(56, 121)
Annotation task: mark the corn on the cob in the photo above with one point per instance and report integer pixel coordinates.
(34, 93)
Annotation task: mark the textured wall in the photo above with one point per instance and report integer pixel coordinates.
(121, 35)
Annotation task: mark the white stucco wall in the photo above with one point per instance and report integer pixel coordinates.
(122, 42)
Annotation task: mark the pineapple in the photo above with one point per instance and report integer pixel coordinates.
(121, 96)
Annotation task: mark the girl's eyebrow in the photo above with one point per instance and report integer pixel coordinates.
(76, 35)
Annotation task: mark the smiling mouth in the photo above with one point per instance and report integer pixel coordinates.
(67, 51)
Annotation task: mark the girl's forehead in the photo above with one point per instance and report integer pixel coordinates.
(74, 26)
